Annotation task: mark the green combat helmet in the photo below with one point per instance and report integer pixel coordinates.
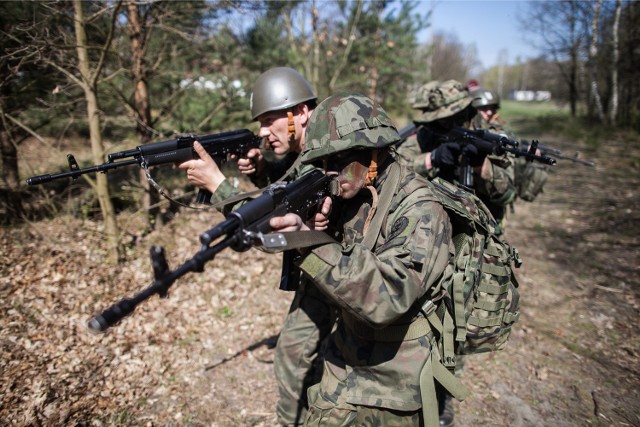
(346, 122)
(438, 100)
(277, 89)
(483, 97)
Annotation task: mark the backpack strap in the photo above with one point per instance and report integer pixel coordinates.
(384, 202)
(435, 370)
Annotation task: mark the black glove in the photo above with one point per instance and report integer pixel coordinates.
(446, 155)
(474, 156)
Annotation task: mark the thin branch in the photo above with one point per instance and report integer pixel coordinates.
(107, 43)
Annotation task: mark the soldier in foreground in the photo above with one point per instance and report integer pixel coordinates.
(391, 254)
(283, 102)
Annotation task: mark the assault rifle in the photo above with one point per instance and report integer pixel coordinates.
(491, 143)
(244, 228)
(553, 152)
(178, 150)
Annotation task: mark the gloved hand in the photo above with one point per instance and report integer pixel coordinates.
(473, 155)
(446, 155)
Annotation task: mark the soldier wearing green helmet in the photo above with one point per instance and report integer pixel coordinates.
(391, 255)
(529, 177)
(282, 101)
(487, 102)
(443, 105)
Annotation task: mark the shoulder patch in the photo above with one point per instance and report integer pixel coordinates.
(398, 227)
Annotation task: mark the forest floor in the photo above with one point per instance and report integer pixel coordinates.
(204, 356)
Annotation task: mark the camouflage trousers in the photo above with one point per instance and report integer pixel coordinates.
(324, 413)
(297, 363)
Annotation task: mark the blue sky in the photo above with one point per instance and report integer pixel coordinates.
(492, 25)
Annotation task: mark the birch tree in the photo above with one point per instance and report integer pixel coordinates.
(613, 108)
(593, 55)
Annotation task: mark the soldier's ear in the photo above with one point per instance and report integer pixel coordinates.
(304, 113)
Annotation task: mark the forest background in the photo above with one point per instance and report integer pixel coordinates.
(94, 77)
(121, 73)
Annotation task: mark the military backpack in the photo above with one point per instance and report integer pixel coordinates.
(483, 300)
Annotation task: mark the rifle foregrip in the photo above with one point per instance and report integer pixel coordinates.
(112, 315)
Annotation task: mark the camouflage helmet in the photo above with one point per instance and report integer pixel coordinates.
(483, 97)
(344, 122)
(439, 100)
(277, 89)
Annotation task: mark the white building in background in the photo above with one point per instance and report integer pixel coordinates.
(531, 95)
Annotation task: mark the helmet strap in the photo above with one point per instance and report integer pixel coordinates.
(372, 174)
(291, 129)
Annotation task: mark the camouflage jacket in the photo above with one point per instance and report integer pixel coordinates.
(378, 289)
(274, 170)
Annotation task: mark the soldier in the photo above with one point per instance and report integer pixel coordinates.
(529, 177)
(391, 256)
(282, 101)
(487, 103)
(444, 105)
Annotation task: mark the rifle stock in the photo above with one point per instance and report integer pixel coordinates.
(243, 229)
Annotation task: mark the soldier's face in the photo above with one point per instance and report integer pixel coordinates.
(487, 112)
(352, 171)
(273, 127)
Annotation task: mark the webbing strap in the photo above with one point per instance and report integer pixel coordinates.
(392, 333)
(493, 289)
(447, 341)
(495, 270)
(484, 322)
(491, 305)
(459, 306)
(433, 370)
(384, 202)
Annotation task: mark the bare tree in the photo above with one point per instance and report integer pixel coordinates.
(88, 81)
(613, 109)
(451, 58)
(593, 54)
(561, 32)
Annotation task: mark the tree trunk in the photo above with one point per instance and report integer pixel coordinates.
(613, 109)
(9, 153)
(142, 107)
(97, 147)
(593, 55)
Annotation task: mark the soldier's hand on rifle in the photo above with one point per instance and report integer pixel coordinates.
(474, 156)
(286, 223)
(446, 155)
(203, 172)
(320, 221)
(253, 163)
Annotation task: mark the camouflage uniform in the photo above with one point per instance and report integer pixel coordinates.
(311, 316)
(528, 177)
(378, 278)
(449, 100)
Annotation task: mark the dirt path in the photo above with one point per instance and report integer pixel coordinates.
(204, 356)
